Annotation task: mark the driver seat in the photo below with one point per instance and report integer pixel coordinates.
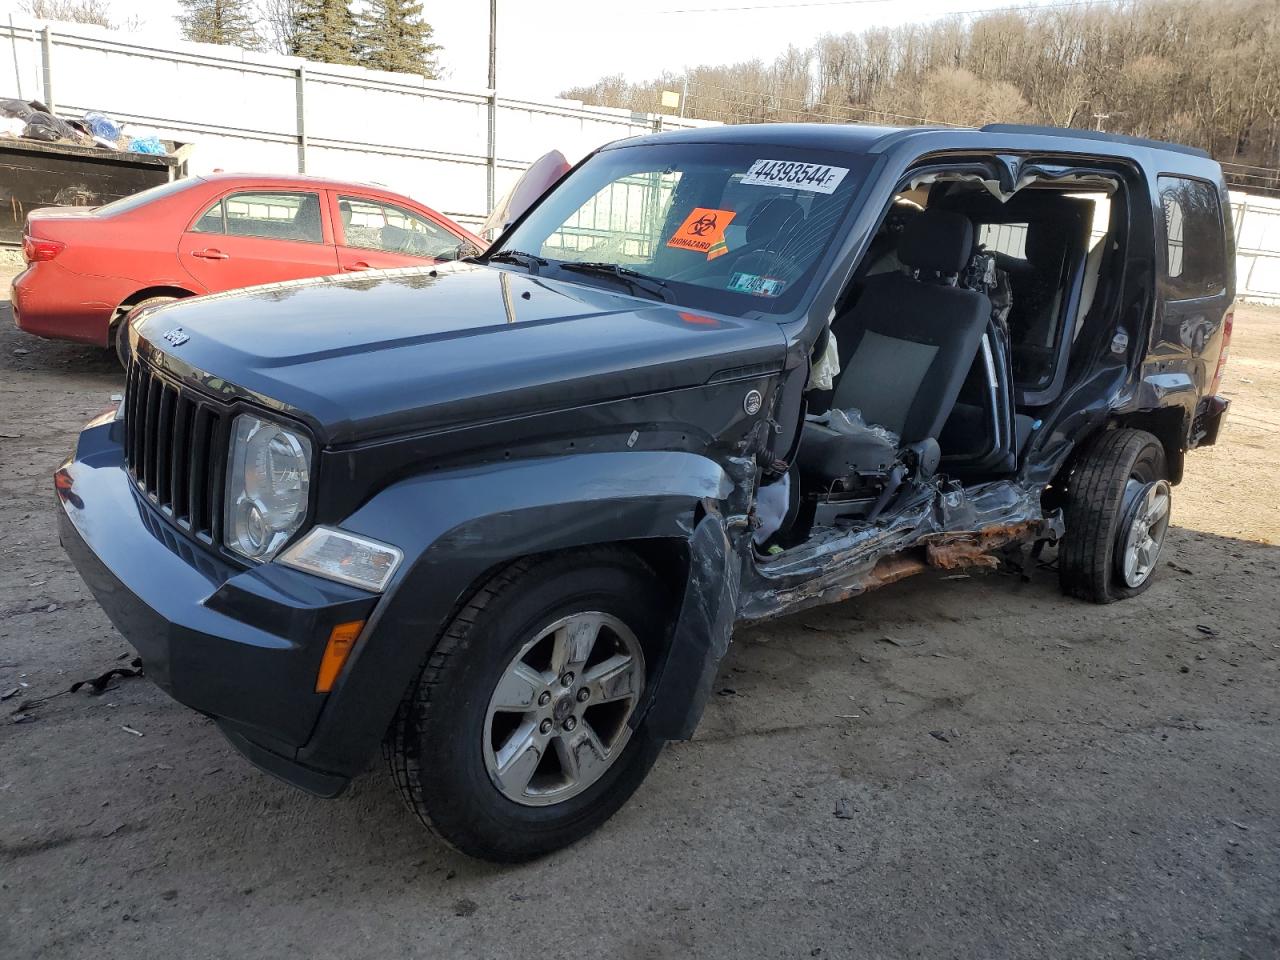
(911, 338)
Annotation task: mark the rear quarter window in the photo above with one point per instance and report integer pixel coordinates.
(1195, 241)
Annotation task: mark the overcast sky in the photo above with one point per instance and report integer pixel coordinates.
(545, 47)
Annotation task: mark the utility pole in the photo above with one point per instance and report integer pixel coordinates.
(685, 95)
(492, 172)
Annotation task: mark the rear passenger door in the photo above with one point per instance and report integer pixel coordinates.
(258, 236)
(373, 234)
(1196, 286)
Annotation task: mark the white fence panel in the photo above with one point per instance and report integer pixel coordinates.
(256, 112)
(240, 111)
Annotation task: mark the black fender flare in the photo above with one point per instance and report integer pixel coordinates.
(454, 526)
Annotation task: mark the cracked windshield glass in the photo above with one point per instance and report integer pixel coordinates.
(737, 230)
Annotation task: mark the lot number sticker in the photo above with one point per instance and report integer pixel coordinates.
(702, 230)
(755, 285)
(814, 177)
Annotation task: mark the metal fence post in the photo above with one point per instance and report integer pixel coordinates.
(46, 55)
(302, 117)
(491, 174)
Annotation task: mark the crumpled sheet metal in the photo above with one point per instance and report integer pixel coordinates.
(947, 527)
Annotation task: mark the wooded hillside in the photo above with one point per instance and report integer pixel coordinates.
(1203, 72)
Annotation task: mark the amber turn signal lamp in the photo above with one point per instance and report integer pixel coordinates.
(342, 639)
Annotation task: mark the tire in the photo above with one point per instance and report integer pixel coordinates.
(1115, 469)
(444, 743)
(117, 344)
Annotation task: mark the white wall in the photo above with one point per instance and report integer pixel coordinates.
(1257, 226)
(428, 140)
(240, 111)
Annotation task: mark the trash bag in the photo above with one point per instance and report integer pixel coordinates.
(147, 145)
(11, 126)
(100, 125)
(41, 126)
(17, 109)
(45, 126)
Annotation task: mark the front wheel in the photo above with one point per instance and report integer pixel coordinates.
(516, 739)
(1118, 503)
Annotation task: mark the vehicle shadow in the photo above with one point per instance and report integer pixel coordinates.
(22, 352)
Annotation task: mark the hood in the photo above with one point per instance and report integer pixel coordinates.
(425, 348)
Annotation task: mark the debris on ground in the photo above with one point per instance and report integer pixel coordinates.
(899, 642)
(128, 729)
(844, 809)
(940, 735)
(98, 685)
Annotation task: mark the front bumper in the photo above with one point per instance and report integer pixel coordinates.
(240, 645)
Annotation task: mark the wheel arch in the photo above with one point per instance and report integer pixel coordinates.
(459, 528)
(1169, 425)
(146, 293)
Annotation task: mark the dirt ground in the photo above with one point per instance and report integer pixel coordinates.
(1034, 777)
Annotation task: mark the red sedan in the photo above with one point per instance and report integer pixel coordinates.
(87, 268)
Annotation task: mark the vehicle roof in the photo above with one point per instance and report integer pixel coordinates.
(867, 138)
(301, 178)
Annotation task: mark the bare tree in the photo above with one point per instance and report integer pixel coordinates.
(280, 20)
(95, 12)
(1201, 73)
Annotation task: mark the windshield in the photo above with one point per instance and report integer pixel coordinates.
(733, 228)
(135, 200)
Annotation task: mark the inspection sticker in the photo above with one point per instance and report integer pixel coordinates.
(755, 285)
(702, 230)
(814, 177)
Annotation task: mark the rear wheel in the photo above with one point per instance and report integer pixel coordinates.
(118, 337)
(1118, 506)
(515, 741)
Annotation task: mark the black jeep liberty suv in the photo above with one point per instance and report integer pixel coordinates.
(501, 516)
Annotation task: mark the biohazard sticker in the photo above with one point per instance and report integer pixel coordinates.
(756, 285)
(814, 177)
(703, 232)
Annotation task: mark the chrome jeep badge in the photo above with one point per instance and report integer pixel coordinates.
(176, 336)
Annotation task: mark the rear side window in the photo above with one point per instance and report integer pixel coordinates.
(1195, 264)
(373, 225)
(271, 216)
(211, 220)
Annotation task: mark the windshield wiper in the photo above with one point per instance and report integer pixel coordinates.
(636, 281)
(527, 260)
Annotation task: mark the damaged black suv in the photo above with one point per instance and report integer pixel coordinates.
(502, 516)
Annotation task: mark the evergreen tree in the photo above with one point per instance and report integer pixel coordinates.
(393, 36)
(220, 21)
(324, 30)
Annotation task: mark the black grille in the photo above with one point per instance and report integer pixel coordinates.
(175, 449)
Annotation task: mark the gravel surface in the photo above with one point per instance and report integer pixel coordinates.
(1035, 777)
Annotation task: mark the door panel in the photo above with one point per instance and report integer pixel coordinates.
(258, 236)
(1195, 287)
(373, 234)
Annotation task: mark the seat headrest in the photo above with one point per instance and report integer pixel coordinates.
(938, 240)
(772, 217)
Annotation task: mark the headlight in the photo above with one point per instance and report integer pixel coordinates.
(345, 557)
(267, 480)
